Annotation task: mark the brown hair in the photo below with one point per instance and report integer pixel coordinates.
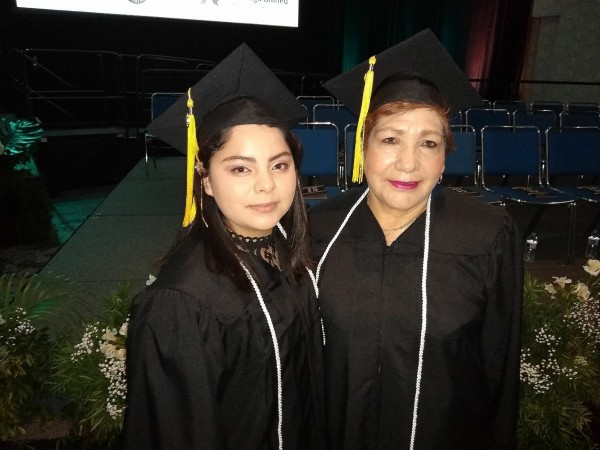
(401, 107)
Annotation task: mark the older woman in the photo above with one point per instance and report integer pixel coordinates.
(420, 287)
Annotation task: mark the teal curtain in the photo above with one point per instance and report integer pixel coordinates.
(371, 27)
(486, 38)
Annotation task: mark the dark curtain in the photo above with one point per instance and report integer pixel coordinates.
(485, 37)
(496, 46)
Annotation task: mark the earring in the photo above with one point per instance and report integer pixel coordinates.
(441, 178)
(201, 204)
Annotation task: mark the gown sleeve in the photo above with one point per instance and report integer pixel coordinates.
(174, 363)
(501, 333)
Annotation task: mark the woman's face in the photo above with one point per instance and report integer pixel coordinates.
(404, 159)
(252, 179)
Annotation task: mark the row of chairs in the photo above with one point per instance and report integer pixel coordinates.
(542, 118)
(512, 165)
(556, 106)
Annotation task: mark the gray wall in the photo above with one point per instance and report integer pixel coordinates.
(567, 48)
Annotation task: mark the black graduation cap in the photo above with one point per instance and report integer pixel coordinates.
(418, 70)
(240, 76)
(405, 72)
(239, 90)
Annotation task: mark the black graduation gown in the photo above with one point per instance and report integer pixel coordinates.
(201, 366)
(370, 296)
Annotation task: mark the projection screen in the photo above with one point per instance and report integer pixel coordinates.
(259, 12)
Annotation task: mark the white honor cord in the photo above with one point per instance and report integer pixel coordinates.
(277, 357)
(335, 236)
(423, 323)
(314, 278)
(314, 282)
(423, 295)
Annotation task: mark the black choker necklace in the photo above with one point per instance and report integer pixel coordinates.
(263, 247)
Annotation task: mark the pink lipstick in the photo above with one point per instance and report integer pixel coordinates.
(408, 185)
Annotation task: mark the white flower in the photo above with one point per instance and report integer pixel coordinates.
(109, 350)
(561, 281)
(582, 291)
(550, 288)
(110, 335)
(151, 279)
(123, 329)
(592, 267)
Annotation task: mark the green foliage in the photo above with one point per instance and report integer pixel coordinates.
(26, 205)
(560, 362)
(90, 372)
(26, 306)
(18, 136)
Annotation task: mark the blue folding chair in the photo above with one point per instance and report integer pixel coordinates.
(582, 106)
(510, 105)
(540, 118)
(462, 163)
(337, 113)
(348, 148)
(511, 153)
(456, 118)
(579, 119)
(555, 106)
(481, 117)
(309, 101)
(320, 160)
(573, 163)
(159, 103)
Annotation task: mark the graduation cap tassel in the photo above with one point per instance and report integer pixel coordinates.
(192, 154)
(357, 168)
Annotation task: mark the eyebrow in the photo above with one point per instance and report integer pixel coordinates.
(401, 131)
(251, 159)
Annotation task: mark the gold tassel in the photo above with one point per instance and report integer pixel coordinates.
(192, 155)
(357, 167)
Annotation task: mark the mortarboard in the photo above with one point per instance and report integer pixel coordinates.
(418, 69)
(239, 90)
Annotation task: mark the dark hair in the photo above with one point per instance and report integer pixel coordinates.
(400, 107)
(221, 253)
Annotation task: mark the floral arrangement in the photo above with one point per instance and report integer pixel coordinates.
(560, 362)
(90, 372)
(27, 306)
(24, 364)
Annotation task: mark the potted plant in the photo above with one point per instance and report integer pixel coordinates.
(560, 362)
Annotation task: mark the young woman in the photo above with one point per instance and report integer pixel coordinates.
(420, 287)
(223, 349)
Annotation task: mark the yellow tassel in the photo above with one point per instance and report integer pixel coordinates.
(192, 154)
(357, 167)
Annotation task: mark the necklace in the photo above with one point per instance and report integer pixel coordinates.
(389, 230)
(404, 225)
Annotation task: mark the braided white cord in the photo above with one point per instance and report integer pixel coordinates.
(314, 283)
(338, 232)
(315, 279)
(423, 324)
(277, 357)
